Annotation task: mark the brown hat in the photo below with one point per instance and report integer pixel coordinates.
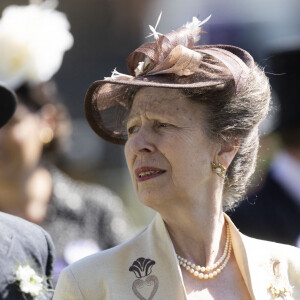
(172, 61)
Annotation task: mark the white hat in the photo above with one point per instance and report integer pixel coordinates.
(33, 40)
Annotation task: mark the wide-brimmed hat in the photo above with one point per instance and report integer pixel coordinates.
(7, 104)
(171, 61)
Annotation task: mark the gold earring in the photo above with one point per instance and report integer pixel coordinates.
(219, 169)
(46, 135)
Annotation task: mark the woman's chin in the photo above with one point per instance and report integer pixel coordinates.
(154, 200)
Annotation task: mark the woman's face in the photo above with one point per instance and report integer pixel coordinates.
(20, 143)
(167, 152)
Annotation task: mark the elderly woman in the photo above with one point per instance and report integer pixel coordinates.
(188, 116)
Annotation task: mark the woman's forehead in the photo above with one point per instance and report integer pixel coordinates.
(160, 101)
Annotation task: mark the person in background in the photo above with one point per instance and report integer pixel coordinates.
(26, 250)
(81, 218)
(188, 117)
(273, 211)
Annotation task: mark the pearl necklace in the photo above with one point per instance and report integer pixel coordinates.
(213, 270)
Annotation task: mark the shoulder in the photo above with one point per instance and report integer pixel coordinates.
(282, 260)
(25, 231)
(272, 248)
(267, 264)
(12, 221)
(23, 243)
(25, 237)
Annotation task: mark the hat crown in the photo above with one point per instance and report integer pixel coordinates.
(176, 53)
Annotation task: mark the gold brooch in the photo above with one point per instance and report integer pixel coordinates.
(276, 292)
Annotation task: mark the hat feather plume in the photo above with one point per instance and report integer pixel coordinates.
(151, 57)
(195, 27)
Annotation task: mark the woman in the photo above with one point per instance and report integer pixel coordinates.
(188, 116)
(31, 186)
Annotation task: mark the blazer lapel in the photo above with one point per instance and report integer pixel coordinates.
(260, 269)
(157, 276)
(255, 265)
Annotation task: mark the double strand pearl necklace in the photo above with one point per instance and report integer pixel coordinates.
(212, 271)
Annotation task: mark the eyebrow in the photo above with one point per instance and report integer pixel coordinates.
(128, 118)
(169, 117)
(131, 116)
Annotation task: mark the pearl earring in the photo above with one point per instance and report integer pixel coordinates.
(219, 169)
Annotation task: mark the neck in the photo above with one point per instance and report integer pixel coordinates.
(198, 232)
(27, 195)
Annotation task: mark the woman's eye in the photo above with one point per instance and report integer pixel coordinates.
(164, 124)
(132, 129)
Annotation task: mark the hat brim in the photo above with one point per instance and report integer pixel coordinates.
(8, 103)
(110, 100)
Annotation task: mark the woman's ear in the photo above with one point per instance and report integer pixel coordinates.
(227, 152)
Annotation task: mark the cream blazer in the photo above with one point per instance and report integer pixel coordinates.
(146, 268)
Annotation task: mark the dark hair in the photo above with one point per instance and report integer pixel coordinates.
(233, 115)
(34, 98)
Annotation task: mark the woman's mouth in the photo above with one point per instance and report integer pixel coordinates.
(146, 173)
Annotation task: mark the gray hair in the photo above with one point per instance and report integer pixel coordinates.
(230, 116)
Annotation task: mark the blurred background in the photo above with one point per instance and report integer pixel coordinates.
(106, 32)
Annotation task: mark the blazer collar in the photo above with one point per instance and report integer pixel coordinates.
(163, 247)
(255, 263)
(242, 257)
(263, 265)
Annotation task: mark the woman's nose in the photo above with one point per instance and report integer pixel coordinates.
(143, 141)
